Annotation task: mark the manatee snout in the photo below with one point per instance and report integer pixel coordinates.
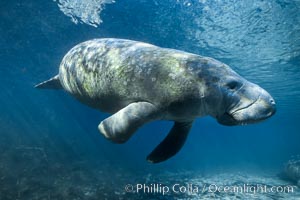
(254, 104)
(266, 104)
(260, 109)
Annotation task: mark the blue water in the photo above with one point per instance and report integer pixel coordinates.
(50, 140)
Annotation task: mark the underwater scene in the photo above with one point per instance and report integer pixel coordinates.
(149, 99)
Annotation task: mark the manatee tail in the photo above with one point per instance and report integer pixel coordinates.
(52, 83)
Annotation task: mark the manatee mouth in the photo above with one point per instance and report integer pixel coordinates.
(243, 108)
(255, 112)
(229, 120)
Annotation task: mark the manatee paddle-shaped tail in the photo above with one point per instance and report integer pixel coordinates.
(53, 83)
(172, 143)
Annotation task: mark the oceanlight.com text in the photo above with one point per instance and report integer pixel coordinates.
(193, 189)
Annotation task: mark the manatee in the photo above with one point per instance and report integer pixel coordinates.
(138, 83)
(292, 170)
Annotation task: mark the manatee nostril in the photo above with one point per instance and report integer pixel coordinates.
(272, 101)
(272, 107)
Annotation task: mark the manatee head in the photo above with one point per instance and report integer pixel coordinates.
(230, 98)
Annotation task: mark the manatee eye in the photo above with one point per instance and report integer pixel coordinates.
(233, 85)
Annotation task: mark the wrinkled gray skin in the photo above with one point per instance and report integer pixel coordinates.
(138, 83)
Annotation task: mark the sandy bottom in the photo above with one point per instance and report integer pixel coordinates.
(28, 173)
(79, 182)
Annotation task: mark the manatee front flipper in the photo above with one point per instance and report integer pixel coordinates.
(172, 143)
(121, 125)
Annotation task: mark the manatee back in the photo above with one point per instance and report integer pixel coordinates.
(111, 73)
